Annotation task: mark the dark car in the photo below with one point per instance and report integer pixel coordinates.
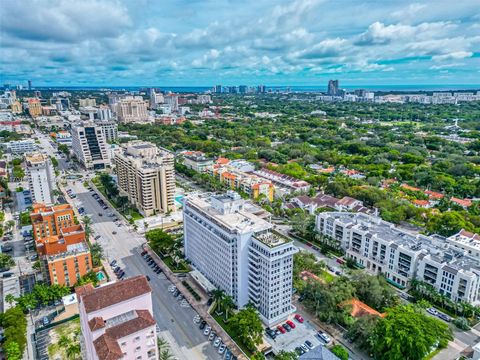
(7, 248)
(143, 252)
(7, 275)
(202, 324)
(158, 271)
(271, 333)
(148, 277)
(210, 301)
(286, 327)
(120, 273)
(113, 263)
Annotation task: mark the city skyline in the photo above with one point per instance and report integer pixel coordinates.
(184, 43)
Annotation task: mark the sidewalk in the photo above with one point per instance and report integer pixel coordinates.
(200, 308)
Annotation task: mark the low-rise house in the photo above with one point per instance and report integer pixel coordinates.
(196, 160)
(464, 203)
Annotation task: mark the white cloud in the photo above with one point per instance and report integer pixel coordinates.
(457, 55)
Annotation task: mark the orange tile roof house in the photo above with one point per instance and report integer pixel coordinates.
(360, 309)
(465, 203)
(116, 320)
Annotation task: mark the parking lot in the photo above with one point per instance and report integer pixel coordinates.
(295, 337)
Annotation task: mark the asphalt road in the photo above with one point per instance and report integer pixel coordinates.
(175, 321)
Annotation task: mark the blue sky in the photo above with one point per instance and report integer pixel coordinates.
(206, 42)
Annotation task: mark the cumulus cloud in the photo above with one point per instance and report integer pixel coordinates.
(112, 41)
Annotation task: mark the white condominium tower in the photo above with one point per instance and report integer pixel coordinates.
(239, 253)
(132, 109)
(90, 146)
(146, 175)
(41, 179)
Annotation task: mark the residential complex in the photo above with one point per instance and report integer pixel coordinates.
(284, 184)
(450, 267)
(238, 252)
(64, 253)
(41, 179)
(238, 174)
(146, 175)
(89, 146)
(131, 109)
(116, 321)
(196, 160)
(87, 102)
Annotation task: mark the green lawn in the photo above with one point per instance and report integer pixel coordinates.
(220, 320)
(325, 275)
(182, 268)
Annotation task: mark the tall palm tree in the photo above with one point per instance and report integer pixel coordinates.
(87, 222)
(218, 296)
(228, 304)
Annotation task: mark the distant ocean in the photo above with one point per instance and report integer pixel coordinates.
(310, 88)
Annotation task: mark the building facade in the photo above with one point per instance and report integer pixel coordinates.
(146, 175)
(381, 248)
(109, 129)
(90, 147)
(116, 321)
(238, 252)
(87, 102)
(132, 109)
(34, 107)
(61, 245)
(41, 179)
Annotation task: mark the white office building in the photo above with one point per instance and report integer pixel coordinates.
(109, 129)
(401, 256)
(104, 113)
(89, 146)
(237, 251)
(41, 179)
(20, 146)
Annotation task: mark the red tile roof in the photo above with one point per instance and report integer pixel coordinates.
(464, 202)
(411, 188)
(115, 293)
(107, 348)
(421, 202)
(433, 194)
(361, 309)
(96, 323)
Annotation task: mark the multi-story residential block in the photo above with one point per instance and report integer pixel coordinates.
(132, 109)
(401, 256)
(87, 102)
(41, 179)
(16, 107)
(63, 137)
(34, 107)
(64, 253)
(89, 146)
(116, 321)
(238, 252)
(20, 146)
(146, 175)
(196, 160)
(284, 184)
(109, 129)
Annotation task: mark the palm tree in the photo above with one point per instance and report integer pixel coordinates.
(218, 296)
(87, 221)
(73, 351)
(64, 342)
(228, 304)
(166, 355)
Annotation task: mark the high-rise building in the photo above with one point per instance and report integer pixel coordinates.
(41, 179)
(261, 89)
(243, 89)
(104, 113)
(109, 128)
(29, 84)
(146, 175)
(155, 99)
(34, 107)
(87, 102)
(332, 87)
(132, 109)
(172, 101)
(116, 321)
(89, 146)
(238, 252)
(218, 89)
(61, 103)
(64, 254)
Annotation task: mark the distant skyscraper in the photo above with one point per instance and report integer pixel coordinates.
(242, 89)
(29, 84)
(332, 87)
(218, 89)
(261, 89)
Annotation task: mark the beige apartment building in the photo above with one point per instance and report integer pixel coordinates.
(132, 109)
(146, 175)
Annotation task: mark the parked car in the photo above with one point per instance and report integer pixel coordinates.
(7, 275)
(309, 344)
(281, 329)
(209, 301)
(222, 348)
(299, 350)
(304, 347)
(7, 248)
(291, 324)
(217, 342)
(299, 318)
(202, 324)
(114, 232)
(212, 336)
(286, 327)
(143, 252)
(444, 317)
(113, 262)
(148, 277)
(207, 330)
(271, 333)
(45, 321)
(432, 311)
(324, 337)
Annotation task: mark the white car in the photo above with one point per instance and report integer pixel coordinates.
(324, 337)
(207, 330)
(222, 348)
(217, 342)
(432, 311)
(304, 347)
